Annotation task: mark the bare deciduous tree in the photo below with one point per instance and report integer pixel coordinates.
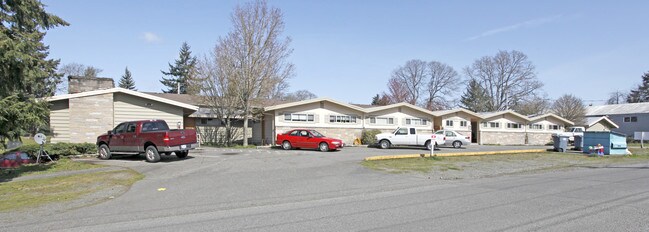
(412, 77)
(532, 106)
(256, 55)
(442, 80)
(299, 96)
(219, 93)
(397, 91)
(75, 69)
(617, 97)
(570, 107)
(507, 77)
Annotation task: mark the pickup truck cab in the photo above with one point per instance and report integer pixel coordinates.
(408, 136)
(151, 137)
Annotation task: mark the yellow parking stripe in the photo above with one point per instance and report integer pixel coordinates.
(387, 157)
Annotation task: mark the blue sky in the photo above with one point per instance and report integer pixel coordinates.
(346, 50)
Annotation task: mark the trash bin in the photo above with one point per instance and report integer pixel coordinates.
(579, 142)
(560, 143)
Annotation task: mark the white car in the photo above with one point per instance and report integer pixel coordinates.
(453, 138)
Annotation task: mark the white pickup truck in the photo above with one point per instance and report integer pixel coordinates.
(572, 132)
(408, 136)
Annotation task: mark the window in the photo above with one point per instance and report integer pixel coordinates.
(402, 131)
(554, 127)
(536, 126)
(463, 123)
(514, 125)
(450, 134)
(299, 117)
(203, 121)
(449, 123)
(342, 119)
(630, 119)
(413, 131)
(485, 124)
(381, 120)
(121, 128)
(130, 128)
(494, 124)
(154, 126)
(416, 121)
(295, 133)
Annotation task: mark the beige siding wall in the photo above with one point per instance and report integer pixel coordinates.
(89, 117)
(546, 122)
(129, 108)
(60, 121)
(598, 127)
(456, 119)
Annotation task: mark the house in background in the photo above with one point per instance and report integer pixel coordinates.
(503, 127)
(600, 124)
(630, 117)
(540, 128)
(460, 120)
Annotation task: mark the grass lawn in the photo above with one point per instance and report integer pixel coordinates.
(18, 195)
(494, 163)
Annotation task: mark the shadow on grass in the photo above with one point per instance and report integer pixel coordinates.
(141, 158)
(8, 174)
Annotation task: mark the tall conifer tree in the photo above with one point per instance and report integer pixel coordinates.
(127, 81)
(25, 71)
(181, 72)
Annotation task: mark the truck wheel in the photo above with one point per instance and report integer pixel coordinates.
(324, 147)
(286, 145)
(104, 152)
(457, 144)
(152, 154)
(384, 144)
(182, 154)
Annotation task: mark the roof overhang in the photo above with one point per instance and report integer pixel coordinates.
(551, 115)
(310, 101)
(124, 91)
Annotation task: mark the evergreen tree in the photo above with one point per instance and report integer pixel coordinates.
(181, 72)
(641, 93)
(25, 72)
(127, 81)
(475, 97)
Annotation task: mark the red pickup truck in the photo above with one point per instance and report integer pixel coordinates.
(151, 137)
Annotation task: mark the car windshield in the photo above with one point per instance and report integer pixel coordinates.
(316, 134)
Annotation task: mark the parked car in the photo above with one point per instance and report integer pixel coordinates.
(453, 138)
(307, 138)
(408, 136)
(14, 159)
(151, 137)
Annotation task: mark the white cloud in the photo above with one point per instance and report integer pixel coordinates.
(529, 23)
(150, 37)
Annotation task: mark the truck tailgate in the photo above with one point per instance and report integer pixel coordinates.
(180, 137)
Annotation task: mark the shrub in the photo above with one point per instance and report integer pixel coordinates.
(60, 149)
(369, 136)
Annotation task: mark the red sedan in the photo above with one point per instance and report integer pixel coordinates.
(14, 159)
(307, 138)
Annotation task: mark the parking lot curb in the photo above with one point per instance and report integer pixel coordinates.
(388, 157)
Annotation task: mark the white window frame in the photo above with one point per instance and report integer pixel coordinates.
(378, 120)
(464, 123)
(416, 121)
(512, 125)
(491, 124)
(347, 119)
(297, 117)
(554, 127)
(631, 119)
(536, 126)
(449, 123)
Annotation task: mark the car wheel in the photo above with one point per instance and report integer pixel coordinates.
(152, 154)
(457, 144)
(436, 147)
(104, 152)
(324, 147)
(182, 154)
(428, 145)
(384, 144)
(286, 145)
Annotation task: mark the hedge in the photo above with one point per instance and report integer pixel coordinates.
(61, 149)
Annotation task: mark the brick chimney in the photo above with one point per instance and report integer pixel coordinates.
(83, 84)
